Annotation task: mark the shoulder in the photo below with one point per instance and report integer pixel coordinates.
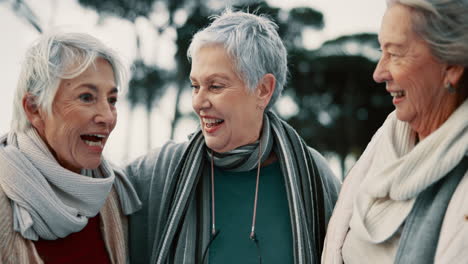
(327, 175)
(13, 247)
(330, 182)
(153, 168)
(454, 230)
(151, 177)
(157, 159)
(5, 213)
(6, 225)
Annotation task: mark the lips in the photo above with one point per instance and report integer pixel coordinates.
(398, 96)
(211, 124)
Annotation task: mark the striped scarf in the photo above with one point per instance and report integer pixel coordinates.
(48, 200)
(187, 231)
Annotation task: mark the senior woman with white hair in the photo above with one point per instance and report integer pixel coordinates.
(60, 200)
(405, 200)
(246, 180)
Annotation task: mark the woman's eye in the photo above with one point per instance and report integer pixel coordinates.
(393, 54)
(195, 88)
(112, 100)
(86, 97)
(215, 87)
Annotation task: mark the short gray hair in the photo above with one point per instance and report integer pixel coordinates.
(253, 43)
(444, 25)
(53, 57)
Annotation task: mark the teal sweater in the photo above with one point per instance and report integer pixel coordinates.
(234, 197)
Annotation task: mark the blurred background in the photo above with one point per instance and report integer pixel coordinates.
(330, 97)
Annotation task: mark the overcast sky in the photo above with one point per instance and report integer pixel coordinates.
(342, 17)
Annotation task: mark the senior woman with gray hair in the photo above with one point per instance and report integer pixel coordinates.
(60, 200)
(245, 188)
(405, 200)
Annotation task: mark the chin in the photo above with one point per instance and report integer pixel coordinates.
(215, 147)
(92, 165)
(402, 116)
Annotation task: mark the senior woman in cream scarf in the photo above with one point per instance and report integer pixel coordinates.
(245, 188)
(60, 200)
(405, 200)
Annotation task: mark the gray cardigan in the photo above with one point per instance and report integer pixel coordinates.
(152, 176)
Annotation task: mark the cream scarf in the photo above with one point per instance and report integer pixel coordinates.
(397, 170)
(48, 200)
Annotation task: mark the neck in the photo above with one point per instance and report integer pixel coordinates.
(435, 119)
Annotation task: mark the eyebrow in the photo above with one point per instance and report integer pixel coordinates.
(95, 89)
(214, 75)
(391, 44)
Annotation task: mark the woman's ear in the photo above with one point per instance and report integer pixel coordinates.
(33, 112)
(454, 74)
(265, 89)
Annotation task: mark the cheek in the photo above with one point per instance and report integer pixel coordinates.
(248, 115)
(64, 133)
(115, 120)
(408, 78)
(66, 128)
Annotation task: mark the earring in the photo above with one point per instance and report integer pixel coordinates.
(450, 88)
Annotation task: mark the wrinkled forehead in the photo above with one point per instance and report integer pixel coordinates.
(396, 26)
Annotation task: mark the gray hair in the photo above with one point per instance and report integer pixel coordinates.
(253, 43)
(444, 25)
(53, 57)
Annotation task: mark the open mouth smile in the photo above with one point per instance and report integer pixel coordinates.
(211, 124)
(94, 140)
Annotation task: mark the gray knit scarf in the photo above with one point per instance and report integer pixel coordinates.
(48, 200)
(187, 231)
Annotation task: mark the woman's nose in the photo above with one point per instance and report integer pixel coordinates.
(381, 73)
(200, 99)
(105, 114)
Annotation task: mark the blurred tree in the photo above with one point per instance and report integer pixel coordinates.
(23, 11)
(197, 20)
(340, 105)
(126, 9)
(142, 84)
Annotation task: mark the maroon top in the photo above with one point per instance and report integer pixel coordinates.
(86, 246)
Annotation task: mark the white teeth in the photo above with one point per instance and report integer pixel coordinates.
(93, 144)
(211, 120)
(97, 135)
(397, 94)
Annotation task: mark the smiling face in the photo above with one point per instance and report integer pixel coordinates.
(228, 112)
(83, 116)
(414, 77)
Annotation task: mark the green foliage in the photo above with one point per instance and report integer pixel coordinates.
(146, 84)
(341, 106)
(195, 22)
(307, 17)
